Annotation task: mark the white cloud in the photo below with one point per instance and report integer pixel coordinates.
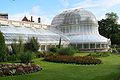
(86, 4)
(110, 3)
(97, 3)
(98, 7)
(35, 10)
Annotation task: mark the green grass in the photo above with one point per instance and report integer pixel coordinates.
(108, 70)
(81, 54)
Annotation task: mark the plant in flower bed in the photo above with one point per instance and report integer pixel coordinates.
(19, 68)
(26, 57)
(73, 59)
(99, 54)
(66, 51)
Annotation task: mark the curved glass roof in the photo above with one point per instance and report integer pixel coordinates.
(88, 39)
(77, 16)
(79, 25)
(43, 35)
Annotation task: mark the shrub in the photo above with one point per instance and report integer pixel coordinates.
(26, 57)
(48, 54)
(17, 46)
(32, 45)
(11, 57)
(104, 54)
(94, 54)
(2, 48)
(39, 54)
(17, 50)
(73, 59)
(118, 49)
(53, 49)
(99, 54)
(66, 51)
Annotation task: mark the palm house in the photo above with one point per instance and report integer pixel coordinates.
(81, 27)
(15, 30)
(77, 27)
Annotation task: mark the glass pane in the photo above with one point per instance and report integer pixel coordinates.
(92, 45)
(86, 45)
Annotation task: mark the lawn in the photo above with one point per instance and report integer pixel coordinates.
(108, 70)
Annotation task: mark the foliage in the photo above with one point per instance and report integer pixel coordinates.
(12, 57)
(2, 48)
(39, 54)
(32, 45)
(48, 54)
(109, 28)
(70, 59)
(17, 50)
(99, 54)
(104, 54)
(113, 16)
(59, 46)
(66, 51)
(17, 46)
(14, 69)
(118, 49)
(26, 57)
(108, 70)
(94, 54)
(43, 54)
(53, 49)
(115, 38)
(20, 45)
(115, 49)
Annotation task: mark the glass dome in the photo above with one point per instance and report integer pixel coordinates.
(75, 21)
(77, 16)
(81, 27)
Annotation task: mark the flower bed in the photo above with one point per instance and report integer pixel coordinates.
(16, 69)
(73, 59)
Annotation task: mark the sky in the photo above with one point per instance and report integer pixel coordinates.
(47, 9)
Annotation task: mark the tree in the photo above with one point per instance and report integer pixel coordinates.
(14, 46)
(32, 45)
(109, 28)
(21, 45)
(59, 46)
(2, 48)
(113, 16)
(17, 46)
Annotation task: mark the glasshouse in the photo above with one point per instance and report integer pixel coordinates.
(77, 27)
(81, 27)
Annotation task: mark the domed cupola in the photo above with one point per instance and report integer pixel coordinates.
(81, 27)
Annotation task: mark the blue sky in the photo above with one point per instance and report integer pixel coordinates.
(47, 9)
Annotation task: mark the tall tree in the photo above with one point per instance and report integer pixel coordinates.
(109, 28)
(59, 46)
(2, 48)
(112, 16)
